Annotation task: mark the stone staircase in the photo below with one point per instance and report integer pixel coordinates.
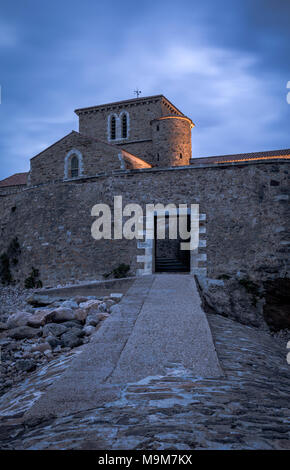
(170, 265)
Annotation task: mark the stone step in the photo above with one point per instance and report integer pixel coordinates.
(170, 265)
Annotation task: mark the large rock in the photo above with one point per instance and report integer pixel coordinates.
(90, 305)
(73, 324)
(89, 330)
(77, 331)
(79, 299)
(53, 341)
(18, 319)
(103, 307)
(60, 314)
(71, 340)
(22, 332)
(81, 314)
(38, 300)
(25, 365)
(116, 296)
(39, 318)
(54, 329)
(69, 304)
(41, 347)
(95, 318)
(23, 318)
(235, 299)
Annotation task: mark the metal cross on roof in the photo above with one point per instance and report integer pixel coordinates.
(137, 92)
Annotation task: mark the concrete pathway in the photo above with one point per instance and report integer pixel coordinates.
(159, 324)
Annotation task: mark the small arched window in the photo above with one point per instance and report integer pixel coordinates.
(180, 156)
(73, 164)
(74, 167)
(113, 128)
(124, 126)
(158, 157)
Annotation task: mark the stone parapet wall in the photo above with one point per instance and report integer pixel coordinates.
(11, 189)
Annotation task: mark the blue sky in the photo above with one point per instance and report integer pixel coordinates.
(225, 64)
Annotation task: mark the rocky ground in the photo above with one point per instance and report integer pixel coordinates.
(35, 330)
(248, 408)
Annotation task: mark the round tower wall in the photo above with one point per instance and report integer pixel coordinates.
(171, 138)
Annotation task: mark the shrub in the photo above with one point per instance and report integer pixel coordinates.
(6, 259)
(5, 273)
(121, 271)
(224, 277)
(14, 250)
(33, 281)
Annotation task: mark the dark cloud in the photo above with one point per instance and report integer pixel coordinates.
(225, 64)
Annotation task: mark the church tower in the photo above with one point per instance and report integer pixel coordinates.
(151, 128)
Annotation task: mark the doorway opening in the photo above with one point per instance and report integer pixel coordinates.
(168, 255)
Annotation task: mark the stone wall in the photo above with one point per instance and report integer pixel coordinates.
(4, 190)
(143, 149)
(246, 208)
(50, 164)
(171, 141)
(95, 123)
(97, 152)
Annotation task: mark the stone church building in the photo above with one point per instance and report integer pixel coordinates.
(133, 134)
(141, 149)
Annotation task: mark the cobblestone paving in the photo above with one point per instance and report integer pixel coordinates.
(246, 409)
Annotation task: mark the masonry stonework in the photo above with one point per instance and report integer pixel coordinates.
(171, 136)
(95, 122)
(246, 220)
(95, 157)
(140, 149)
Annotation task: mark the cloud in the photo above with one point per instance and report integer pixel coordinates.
(221, 70)
(223, 91)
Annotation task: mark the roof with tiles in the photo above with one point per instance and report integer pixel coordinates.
(18, 179)
(241, 157)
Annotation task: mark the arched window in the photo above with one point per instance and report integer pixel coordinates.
(73, 164)
(180, 156)
(74, 167)
(124, 126)
(113, 128)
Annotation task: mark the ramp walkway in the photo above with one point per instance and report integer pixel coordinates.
(159, 322)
